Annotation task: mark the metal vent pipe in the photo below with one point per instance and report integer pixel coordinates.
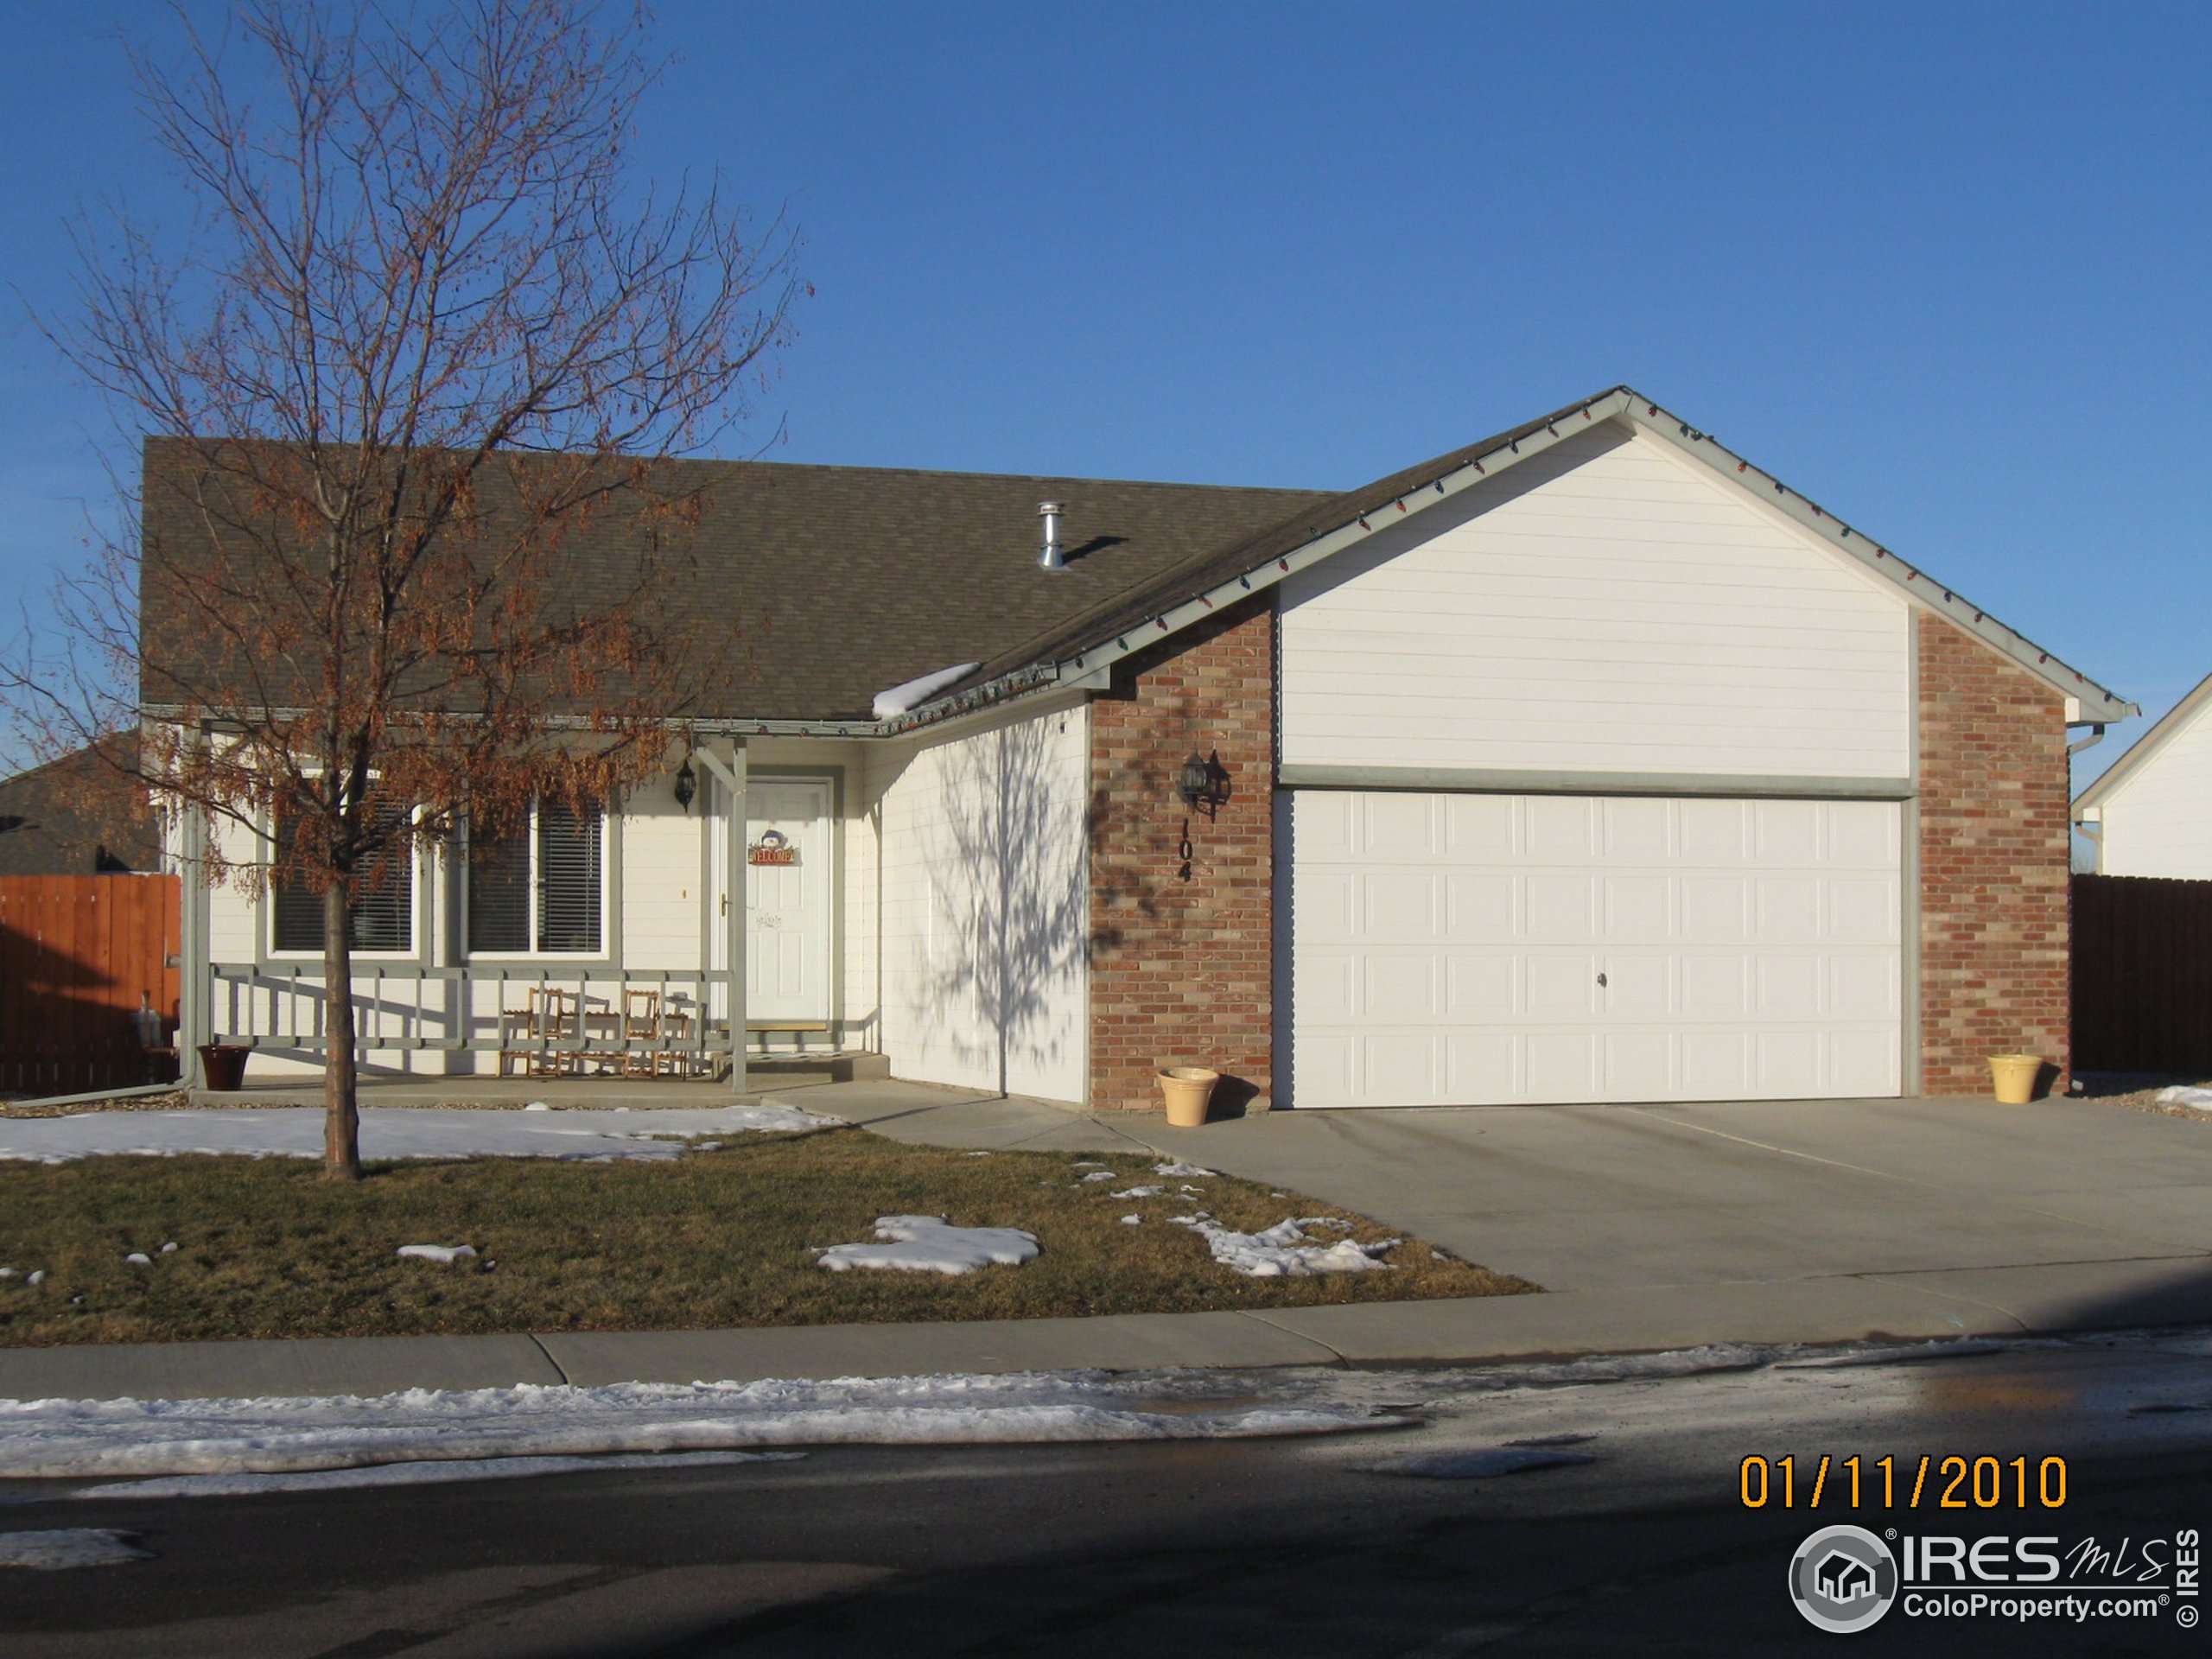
(1050, 559)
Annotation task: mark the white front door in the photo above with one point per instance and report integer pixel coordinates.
(789, 851)
(1478, 949)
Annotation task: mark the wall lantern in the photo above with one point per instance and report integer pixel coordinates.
(687, 784)
(1203, 783)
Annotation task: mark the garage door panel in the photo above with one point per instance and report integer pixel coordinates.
(1560, 1065)
(1638, 832)
(1560, 986)
(1480, 989)
(1637, 988)
(1394, 906)
(1715, 908)
(1478, 907)
(1560, 907)
(1562, 828)
(1447, 948)
(1862, 910)
(1400, 988)
(1638, 906)
(1397, 825)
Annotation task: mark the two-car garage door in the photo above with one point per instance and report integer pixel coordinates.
(1473, 949)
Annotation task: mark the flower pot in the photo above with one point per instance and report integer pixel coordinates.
(2014, 1077)
(1187, 1089)
(222, 1066)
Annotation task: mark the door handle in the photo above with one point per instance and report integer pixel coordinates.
(1601, 979)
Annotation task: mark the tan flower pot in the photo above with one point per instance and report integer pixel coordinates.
(1187, 1089)
(2014, 1077)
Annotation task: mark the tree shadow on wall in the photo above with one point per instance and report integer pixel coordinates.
(1005, 876)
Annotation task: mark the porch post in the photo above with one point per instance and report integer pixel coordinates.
(729, 771)
(193, 990)
(734, 952)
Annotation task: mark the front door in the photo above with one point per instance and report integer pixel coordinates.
(789, 849)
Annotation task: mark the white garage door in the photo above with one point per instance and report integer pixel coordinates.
(1476, 950)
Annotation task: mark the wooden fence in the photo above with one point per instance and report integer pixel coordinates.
(2142, 975)
(77, 954)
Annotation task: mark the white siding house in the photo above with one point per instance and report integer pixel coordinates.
(2151, 812)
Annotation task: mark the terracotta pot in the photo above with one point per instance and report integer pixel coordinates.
(2014, 1077)
(1187, 1089)
(222, 1066)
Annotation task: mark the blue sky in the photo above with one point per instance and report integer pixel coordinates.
(1947, 268)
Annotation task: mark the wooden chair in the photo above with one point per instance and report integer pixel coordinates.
(640, 1025)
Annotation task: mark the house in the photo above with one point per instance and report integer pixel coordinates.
(2151, 812)
(1588, 762)
(1843, 1578)
(74, 817)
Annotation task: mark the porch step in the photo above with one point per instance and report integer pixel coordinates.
(789, 1069)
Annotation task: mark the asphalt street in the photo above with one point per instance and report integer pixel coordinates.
(1286, 1547)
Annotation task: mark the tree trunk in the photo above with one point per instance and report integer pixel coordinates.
(341, 1122)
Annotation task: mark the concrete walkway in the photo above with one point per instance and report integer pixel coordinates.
(1651, 1227)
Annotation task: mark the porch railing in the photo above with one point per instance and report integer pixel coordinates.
(478, 1009)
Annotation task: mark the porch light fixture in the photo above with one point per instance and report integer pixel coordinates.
(687, 784)
(1203, 783)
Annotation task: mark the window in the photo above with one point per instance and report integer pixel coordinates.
(384, 913)
(539, 890)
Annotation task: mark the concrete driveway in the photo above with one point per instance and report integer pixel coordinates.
(1835, 1216)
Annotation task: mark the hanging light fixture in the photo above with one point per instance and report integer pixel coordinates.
(1203, 783)
(687, 784)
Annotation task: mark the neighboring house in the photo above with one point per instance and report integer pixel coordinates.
(1586, 763)
(75, 817)
(2150, 813)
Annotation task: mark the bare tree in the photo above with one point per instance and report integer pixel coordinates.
(410, 541)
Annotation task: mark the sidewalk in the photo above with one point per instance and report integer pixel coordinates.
(1651, 1228)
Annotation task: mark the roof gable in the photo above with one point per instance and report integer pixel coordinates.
(1185, 595)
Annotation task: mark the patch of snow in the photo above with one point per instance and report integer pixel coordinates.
(927, 1244)
(1138, 1192)
(140, 1258)
(1934, 1350)
(1283, 1251)
(416, 1474)
(67, 1546)
(979, 1154)
(1100, 1175)
(1133, 1221)
(1180, 1168)
(448, 1254)
(11, 1272)
(169, 1249)
(1486, 1464)
(396, 1132)
(118, 1439)
(909, 694)
(538, 1106)
(2199, 1100)
(37, 1278)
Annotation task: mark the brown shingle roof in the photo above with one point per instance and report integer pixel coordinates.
(849, 580)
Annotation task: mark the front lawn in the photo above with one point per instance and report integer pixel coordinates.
(266, 1247)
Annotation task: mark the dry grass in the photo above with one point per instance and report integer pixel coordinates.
(268, 1249)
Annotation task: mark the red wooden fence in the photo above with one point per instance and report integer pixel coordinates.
(77, 952)
(2142, 975)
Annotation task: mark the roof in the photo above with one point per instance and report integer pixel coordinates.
(2176, 721)
(1180, 597)
(844, 581)
(848, 580)
(74, 816)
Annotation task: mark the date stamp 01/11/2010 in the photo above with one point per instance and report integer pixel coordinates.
(1930, 1481)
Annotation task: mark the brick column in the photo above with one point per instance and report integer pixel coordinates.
(1994, 849)
(1182, 951)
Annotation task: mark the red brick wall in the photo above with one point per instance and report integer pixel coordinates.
(1993, 842)
(1182, 959)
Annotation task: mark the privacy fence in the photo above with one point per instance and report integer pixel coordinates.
(79, 956)
(2142, 975)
